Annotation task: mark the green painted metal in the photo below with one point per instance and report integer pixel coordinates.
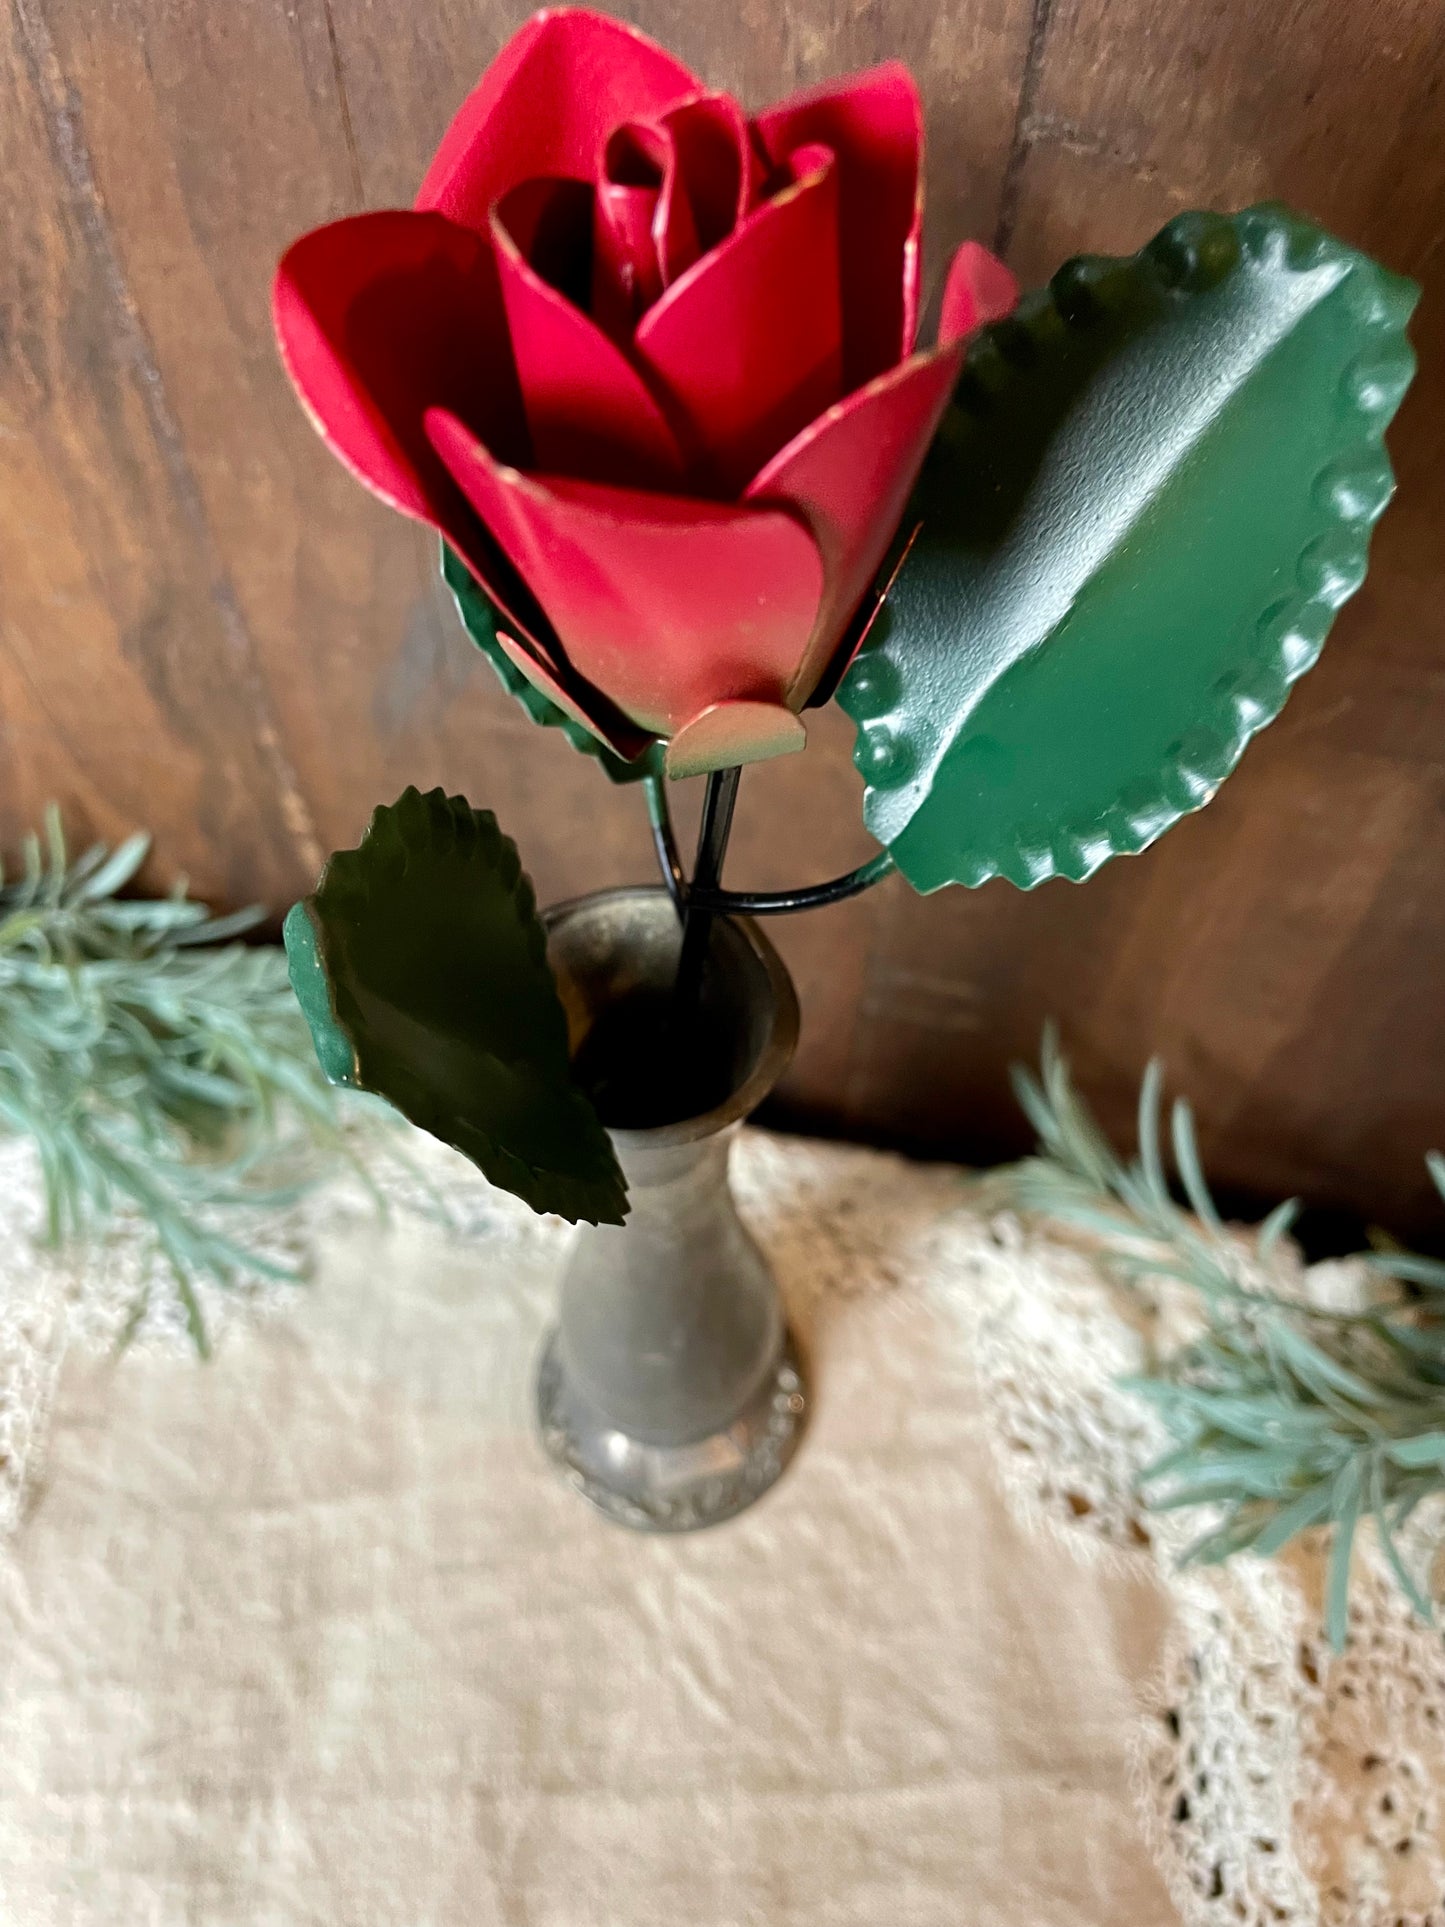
(308, 979)
(479, 619)
(1154, 489)
(421, 966)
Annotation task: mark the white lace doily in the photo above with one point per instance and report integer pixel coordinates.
(1279, 1784)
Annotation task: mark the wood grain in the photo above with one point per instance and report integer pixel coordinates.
(207, 628)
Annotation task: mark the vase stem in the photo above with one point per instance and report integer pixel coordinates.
(670, 1392)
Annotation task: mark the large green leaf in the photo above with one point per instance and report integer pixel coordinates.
(1153, 491)
(422, 969)
(479, 619)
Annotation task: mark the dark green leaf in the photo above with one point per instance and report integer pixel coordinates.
(422, 968)
(480, 622)
(1155, 489)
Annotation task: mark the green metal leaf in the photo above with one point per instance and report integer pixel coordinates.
(1154, 489)
(313, 993)
(479, 619)
(422, 970)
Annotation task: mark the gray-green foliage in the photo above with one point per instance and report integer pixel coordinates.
(157, 1065)
(1284, 1415)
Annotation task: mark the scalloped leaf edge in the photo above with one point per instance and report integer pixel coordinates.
(1352, 492)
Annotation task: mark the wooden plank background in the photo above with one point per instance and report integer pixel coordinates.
(208, 629)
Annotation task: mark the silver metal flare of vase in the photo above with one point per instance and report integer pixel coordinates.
(670, 1392)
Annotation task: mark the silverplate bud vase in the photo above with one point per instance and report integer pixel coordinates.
(670, 1392)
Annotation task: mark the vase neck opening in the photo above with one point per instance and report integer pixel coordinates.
(645, 1064)
(656, 1073)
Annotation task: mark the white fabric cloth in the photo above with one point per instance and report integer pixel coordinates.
(313, 1634)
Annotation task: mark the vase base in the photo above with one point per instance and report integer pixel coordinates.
(673, 1488)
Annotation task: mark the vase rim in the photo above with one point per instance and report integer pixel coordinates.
(773, 983)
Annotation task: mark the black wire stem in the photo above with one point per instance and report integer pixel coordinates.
(697, 917)
(664, 840)
(747, 903)
(815, 896)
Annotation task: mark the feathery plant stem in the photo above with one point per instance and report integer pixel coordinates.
(1285, 1415)
(159, 1067)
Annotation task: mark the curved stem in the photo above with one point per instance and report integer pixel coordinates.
(748, 903)
(664, 840)
(775, 903)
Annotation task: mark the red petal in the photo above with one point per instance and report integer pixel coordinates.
(874, 124)
(979, 289)
(665, 605)
(714, 173)
(748, 343)
(589, 707)
(588, 410)
(382, 316)
(729, 733)
(849, 474)
(670, 190)
(626, 277)
(545, 106)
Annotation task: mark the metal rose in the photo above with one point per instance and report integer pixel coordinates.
(649, 367)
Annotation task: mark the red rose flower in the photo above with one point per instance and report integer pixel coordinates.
(648, 366)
